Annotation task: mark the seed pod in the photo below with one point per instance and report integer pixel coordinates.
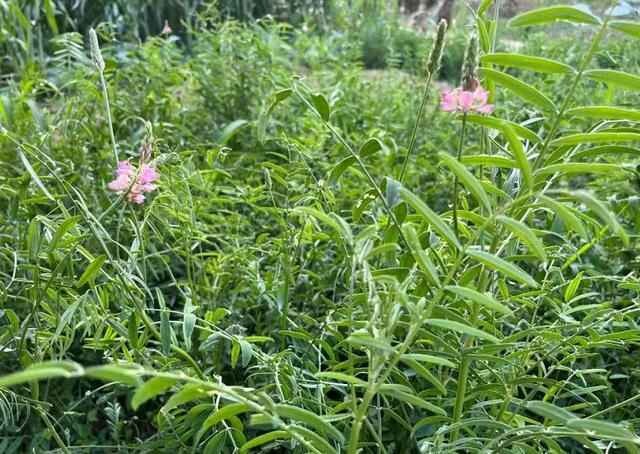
(470, 65)
(435, 57)
(96, 55)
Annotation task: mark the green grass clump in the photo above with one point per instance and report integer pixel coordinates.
(329, 263)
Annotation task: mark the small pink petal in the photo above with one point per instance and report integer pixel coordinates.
(125, 168)
(136, 197)
(466, 101)
(121, 183)
(148, 174)
(449, 101)
(486, 109)
(480, 95)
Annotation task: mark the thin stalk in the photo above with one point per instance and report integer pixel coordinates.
(455, 180)
(107, 106)
(414, 133)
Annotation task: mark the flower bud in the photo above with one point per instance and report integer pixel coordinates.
(435, 57)
(96, 55)
(470, 65)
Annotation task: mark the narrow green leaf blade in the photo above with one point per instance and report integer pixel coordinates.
(508, 269)
(482, 299)
(552, 14)
(521, 89)
(468, 180)
(528, 62)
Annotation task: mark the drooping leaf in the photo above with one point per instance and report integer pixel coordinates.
(420, 256)
(631, 28)
(529, 62)
(499, 125)
(150, 389)
(462, 328)
(309, 418)
(482, 299)
(430, 216)
(616, 78)
(605, 113)
(520, 156)
(596, 137)
(552, 14)
(507, 268)
(468, 180)
(42, 371)
(550, 411)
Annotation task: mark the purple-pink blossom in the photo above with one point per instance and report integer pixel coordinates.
(134, 182)
(459, 100)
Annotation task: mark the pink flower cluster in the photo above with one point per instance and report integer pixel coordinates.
(459, 100)
(133, 182)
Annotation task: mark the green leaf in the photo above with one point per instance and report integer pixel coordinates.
(423, 358)
(482, 299)
(552, 14)
(616, 78)
(521, 89)
(339, 376)
(603, 429)
(572, 288)
(421, 257)
(499, 125)
(489, 161)
(62, 230)
(126, 374)
(430, 216)
(550, 411)
(508, 269)
(529, 62)
(264, 439)
(321, 105)
(461, 328)
(230, 131)
(411, 399)
(631, 28)
(226, 412)
(425, 374)
(34, 176)
(484, 6)
(332, 220)
(278, 97)
(468, 180)
(187, 394)
(595, 137)
(150, 389)
(370, 147)
(602, 212)
(50, 12)
(579, 167)
(525, 234)
(606, 149)
(92, 270)
(42, 371)
(569, 219)
(364, 340)
(310, 419)
(605, 112)
(520, 156)
(318, 442)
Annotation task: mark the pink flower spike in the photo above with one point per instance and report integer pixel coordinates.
(449, 101)
(466, 101)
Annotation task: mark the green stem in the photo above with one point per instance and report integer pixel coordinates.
(414, 133)
(107, 105)
(455, 180)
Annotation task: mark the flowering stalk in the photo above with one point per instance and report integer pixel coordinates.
(433, 66)
(98, 61)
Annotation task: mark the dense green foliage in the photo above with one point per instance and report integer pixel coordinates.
(283, 290)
